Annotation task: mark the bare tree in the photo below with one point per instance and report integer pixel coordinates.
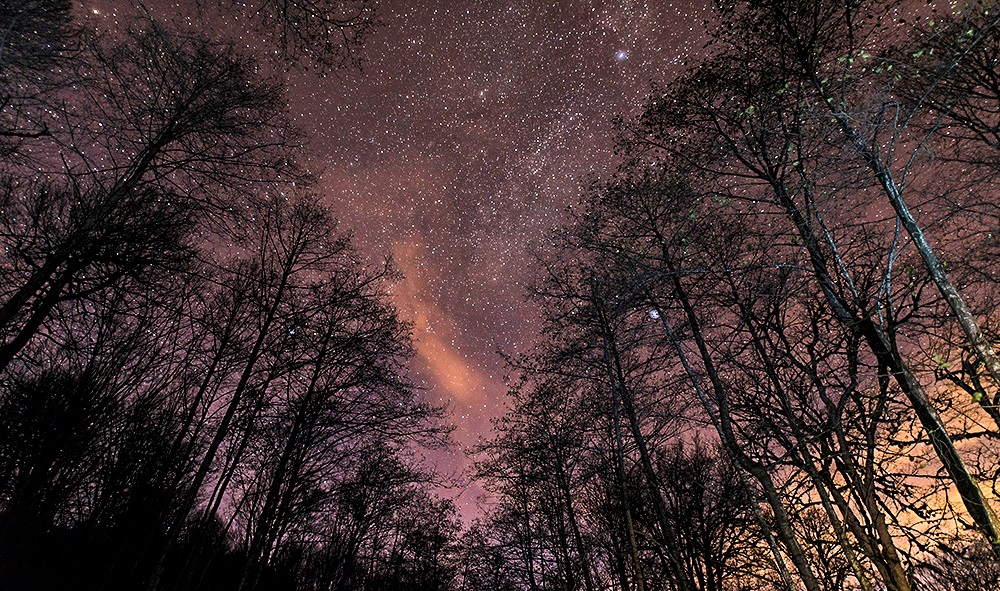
(35, 46)
(132, 177)
(759, 132)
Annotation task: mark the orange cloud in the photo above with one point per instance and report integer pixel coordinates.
(434, 333)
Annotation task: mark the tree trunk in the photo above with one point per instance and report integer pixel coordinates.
(722, 421)
(620, 474)
(887, 355)
(616, 376)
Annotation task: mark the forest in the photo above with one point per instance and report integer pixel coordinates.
(767, 351)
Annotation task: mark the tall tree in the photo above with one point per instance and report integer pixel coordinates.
(757, 131)
(162, 129)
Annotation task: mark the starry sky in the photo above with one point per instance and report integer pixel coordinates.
(468, 129)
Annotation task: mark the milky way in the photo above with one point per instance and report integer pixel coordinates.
(458, 143)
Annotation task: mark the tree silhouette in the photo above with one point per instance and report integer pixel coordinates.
(196, 364)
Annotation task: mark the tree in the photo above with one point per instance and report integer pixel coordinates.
(760, 125)
(133, 178)
(200, 367)
(323, 33)
(34, 46)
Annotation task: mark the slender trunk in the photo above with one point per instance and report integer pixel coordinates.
(620, 474)
(581, 551)
(229, 331)
(897, 574)
(772, 544)
(640, 585)
(620, 567)
(881, 346)
(800, 454)
(223, 429)
(861, 485)
(616, 376)
(273, 514)
(527, 552)
(882, 551)
(935, 268)
(69, 251)
(38, 315)
(723, 422)
(233, 457)
(181, 454)
(20, 298)
(838, 526)
(563, 542)
(279, 489)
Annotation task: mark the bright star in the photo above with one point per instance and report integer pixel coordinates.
(621, 55)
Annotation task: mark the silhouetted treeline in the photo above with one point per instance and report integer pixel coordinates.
(201, 384)
(768, 358)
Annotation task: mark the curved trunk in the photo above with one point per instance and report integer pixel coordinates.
(723, 423)
(860, 322)
(613, 364)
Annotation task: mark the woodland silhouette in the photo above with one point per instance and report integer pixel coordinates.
(767, 352)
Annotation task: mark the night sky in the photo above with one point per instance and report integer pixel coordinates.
(458, 144)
